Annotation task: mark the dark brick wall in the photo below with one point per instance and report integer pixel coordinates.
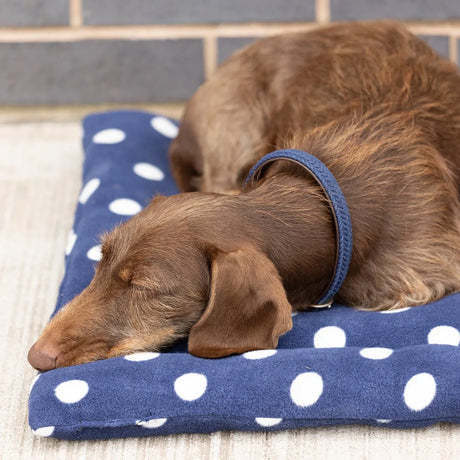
(438, 42)
(227, 46)
(60, 52)
(398, 9)
(20, 13)
(97, 12)
(97, 71)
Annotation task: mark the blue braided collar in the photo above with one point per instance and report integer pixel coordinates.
(339, 208)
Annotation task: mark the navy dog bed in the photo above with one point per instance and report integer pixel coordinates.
(336, 366)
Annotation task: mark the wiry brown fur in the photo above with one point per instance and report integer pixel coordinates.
(378, 107)
(381, 110)
(403, 201)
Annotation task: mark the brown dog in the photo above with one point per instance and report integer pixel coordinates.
(372, 102)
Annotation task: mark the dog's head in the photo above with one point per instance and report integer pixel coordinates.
(167, 273)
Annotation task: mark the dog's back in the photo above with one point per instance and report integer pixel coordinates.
(284, 86)
(382, 110)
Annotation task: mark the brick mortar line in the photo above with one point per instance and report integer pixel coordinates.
(187, 31)
(209, 55)
(435, 29)
(453, 49)
(323, 11)
(134, 32)
(76, 14)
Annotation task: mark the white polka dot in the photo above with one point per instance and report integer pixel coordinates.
(154, 423)
(190, 386)
(125, 207)
(383, 420)
(142, 356)
(419, 391)
(294, 313)
(376, 353)
(398, 310)
(266, 421)
(164, 126)
(330, 337)
(44, 431)
(70, 242)
(259, 354)
(90, 187)
(444, 335)
(109, 136)
(306, 389)
(148, 171)
(95, 253)
(71, 391)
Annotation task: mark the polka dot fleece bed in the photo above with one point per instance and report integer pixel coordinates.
(336, 366)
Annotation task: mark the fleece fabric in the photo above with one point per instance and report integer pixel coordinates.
(336, 366)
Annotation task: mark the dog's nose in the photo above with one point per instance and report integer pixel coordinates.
(43, 358)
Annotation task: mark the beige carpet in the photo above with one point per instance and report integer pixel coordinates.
(40, 168)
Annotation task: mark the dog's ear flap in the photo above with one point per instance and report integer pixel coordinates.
(247, 309)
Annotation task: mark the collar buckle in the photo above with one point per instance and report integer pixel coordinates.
(327, 304)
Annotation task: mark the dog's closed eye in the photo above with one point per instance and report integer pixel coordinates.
(130, 278)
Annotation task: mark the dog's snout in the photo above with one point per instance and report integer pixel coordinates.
(43, 357)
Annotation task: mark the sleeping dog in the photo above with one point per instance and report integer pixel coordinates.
(225, 264)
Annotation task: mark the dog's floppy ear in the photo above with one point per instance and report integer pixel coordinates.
(247, 309)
